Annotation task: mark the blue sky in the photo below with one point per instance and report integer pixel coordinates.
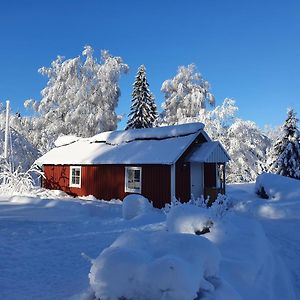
(247, 50)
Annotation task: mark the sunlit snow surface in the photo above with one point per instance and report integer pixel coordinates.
(43, 236)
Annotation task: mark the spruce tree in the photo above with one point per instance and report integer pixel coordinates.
(285, 155)
(143, 112)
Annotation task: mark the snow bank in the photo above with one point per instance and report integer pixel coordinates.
(282, 196)
(52, 209)
(65, 140)
(247, 259)
(277, 187)
(135, 205)
(249, 262)
(125, 136)
(157, 265)
(62, 209)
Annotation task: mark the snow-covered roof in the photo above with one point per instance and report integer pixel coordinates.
(162, 145)
(209, 152)
(125, 136)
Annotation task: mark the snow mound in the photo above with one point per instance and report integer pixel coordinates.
(277, 187)
(282, 194)
(65, 140)
(135, 205)
(188, 219)
(195, 217)
(125, 136)
(158, 265)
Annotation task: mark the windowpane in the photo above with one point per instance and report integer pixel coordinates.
(133, 179)
(75, 179)
(130, 175)
(137, 175)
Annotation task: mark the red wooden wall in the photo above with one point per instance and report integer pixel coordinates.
(108, 181)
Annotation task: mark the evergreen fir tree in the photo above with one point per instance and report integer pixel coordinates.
(285, 155)
(143, 109)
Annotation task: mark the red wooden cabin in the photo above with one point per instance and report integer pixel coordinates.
(160, 163)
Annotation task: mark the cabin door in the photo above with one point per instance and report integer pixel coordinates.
(197, 180)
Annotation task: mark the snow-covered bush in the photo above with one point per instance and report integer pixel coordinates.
(195, 216)
(221, 206)
(157, 265)
(200, 202)
(16, 182)
(189, 219)
(277, 187)
(135, 205)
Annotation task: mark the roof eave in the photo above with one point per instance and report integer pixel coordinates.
(186, 147)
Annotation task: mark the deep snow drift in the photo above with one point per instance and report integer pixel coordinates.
(159, 265)
(46, 239)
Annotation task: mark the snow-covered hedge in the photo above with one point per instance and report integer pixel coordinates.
(195, 216)
(157, 265)
(135, 205)
(276, 187)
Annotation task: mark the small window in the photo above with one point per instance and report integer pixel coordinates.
(133, 179)
(75, 177)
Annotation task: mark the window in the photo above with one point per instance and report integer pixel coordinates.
(75, 176)
(133, 179)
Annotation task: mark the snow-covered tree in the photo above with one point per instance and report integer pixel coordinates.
(272, 132)
(22, 153)
(80, 98)
(244, 141)
(284, 156)
(185, 95)
(247, 147)
(143, 112)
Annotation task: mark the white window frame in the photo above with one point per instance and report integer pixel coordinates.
(71, 184)
(133, 190)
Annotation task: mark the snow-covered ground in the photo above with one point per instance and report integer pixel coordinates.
(47, 240)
